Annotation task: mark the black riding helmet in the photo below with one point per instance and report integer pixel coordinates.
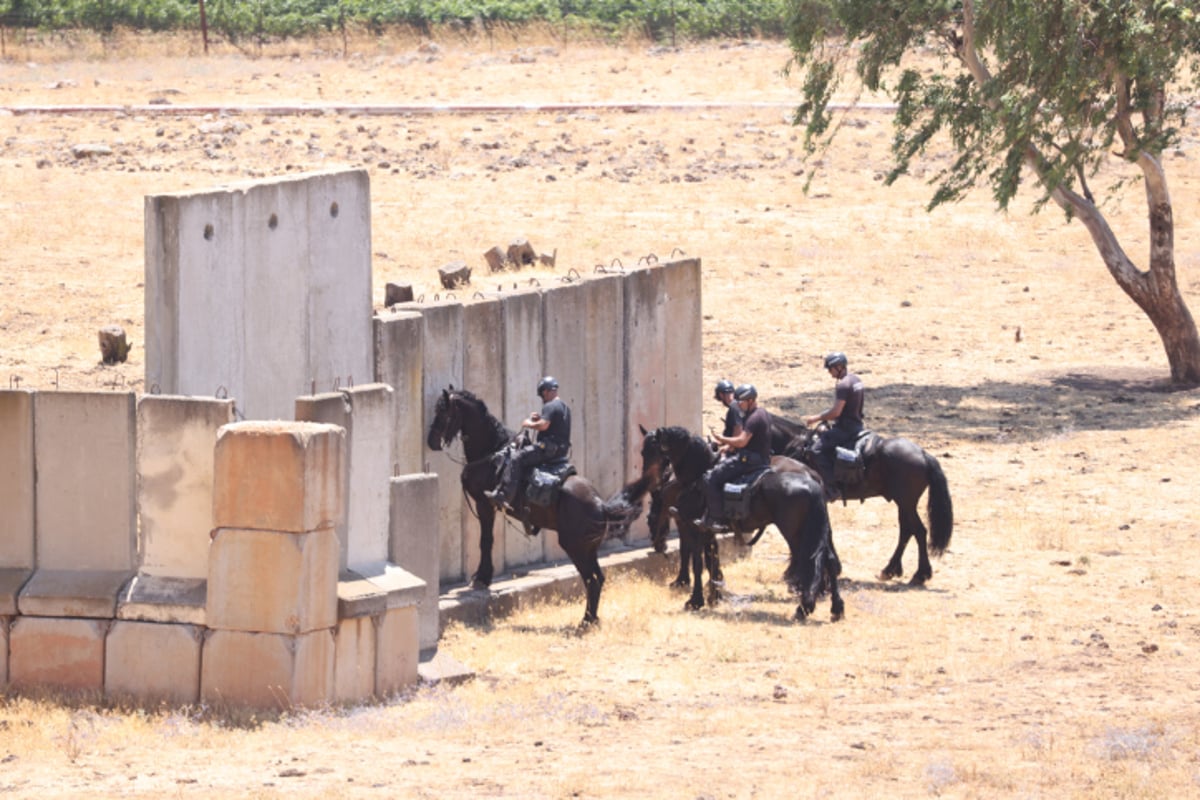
(835, 360)
(545, 383)
(745, 392)
(723, 386)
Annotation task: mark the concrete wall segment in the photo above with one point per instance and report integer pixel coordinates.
(176, 437)
(16, 480)
(399, 357)
(483, 374)
(171, 676)
(290, 670)
(84, 445)
(57, 653)
(415, 517)
(523, 368)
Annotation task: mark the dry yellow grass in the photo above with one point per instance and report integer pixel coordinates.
(1053, 653)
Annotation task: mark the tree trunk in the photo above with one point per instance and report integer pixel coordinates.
(1156, 291)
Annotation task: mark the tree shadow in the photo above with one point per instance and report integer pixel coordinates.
(1113, 399)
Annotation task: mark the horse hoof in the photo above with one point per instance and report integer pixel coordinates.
(691, 605)
(887, 575)
(478, 585)
(918, 580)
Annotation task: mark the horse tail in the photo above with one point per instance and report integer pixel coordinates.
(941, 511)
(622, 508)
(807, 571)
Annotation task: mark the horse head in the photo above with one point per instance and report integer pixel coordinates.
(654, 458)
(446, 422)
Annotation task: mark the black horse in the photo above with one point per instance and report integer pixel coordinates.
(896, 469)
(582, 518)
(788, 496)
(697, 550)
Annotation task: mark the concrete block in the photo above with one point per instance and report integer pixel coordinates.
(267, 670)
(415, 519)
(523, 368)
(340, 331)
(16, 480)
(359, 597)
(272, 582)
(56, 653)
(397, 650)
(12, 580)
(603, 346)
(72, 593)
(279, 476)
(171, 676)
(684, 356)
(84, 449)
(401, 587)
(366, 414)
(154, 598)
(354, 661)
(4, 622)
(646, 330)
(398, 363)
(194, 255)
(443, 354)
(176, 437)
(483, 374)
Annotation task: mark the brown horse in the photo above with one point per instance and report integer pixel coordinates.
(582, 518)
(896, 469)
(788, 496)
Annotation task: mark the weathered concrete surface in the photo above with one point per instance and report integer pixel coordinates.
(155, 598)
(16, 480)
(11, 582)
(153, 662)
(289, 669)
(302, 490)
(57, 653)
(72, 593)
(399, 355)
(354, 662)
(414, 542)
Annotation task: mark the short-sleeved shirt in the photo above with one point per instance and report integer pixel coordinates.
(850, 388)
(733, 419)
(758, 424)
(559, 415)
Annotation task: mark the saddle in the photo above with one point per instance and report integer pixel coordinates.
(546, 480)
(737, 494)
(850, 463)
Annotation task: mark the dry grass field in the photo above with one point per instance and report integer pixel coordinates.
(1055, 653)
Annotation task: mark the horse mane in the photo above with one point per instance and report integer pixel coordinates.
(690, 455)
(500, 432)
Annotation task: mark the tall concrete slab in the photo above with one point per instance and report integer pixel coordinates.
(340, 330)
(442, 366)
(646, 330)
(16, 480)
(194, 306)
(172, 676)
(685, 348)
(522, 317)
(260, 290)
(267, 670)
(57, 653)
(3, 651)
(277, 280)
(272, 582)
(396, 653)
(354, 660)
(176, 437)
(399, 359)
(367, 414)
(483, 374)
(415, 518)
(279, 476)
(84, 444)
(604, 385)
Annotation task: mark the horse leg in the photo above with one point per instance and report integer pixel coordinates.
(482, 578)
(918, 531)
(687, 543)
(587, 564)
(895, 567)
(716, 579)
(696, 601)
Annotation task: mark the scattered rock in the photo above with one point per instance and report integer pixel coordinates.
(113, 347)
(394, 293)
(454, 274)
(90, 150)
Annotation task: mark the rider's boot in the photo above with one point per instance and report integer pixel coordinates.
(506, 491)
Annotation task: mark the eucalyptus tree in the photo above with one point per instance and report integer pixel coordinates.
(1062, 90)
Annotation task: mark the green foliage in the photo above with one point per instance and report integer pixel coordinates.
(658, 19)
(1064, 83)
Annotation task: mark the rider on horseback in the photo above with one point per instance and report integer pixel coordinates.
(553, 426)
(723, 394)
(751, 450)
(845, 417)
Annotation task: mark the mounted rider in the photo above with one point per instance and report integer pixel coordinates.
(750, 451)
(723, 394)
(553, 427)
(845, 418)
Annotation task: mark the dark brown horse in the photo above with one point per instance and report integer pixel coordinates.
(896, 469)
(788, 496)
(582, 518)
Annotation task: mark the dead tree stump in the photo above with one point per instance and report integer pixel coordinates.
(113, 347)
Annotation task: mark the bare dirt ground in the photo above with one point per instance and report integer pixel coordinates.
(1055, 651)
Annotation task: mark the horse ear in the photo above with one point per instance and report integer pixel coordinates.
(642, 428)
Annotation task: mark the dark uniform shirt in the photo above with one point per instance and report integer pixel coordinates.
(850, 388)
(758, 425)
(733, 419)
(559, 415)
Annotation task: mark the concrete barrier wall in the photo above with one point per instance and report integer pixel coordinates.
(16, 480)
(483, 374)
(262, 290)
(399, 361)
